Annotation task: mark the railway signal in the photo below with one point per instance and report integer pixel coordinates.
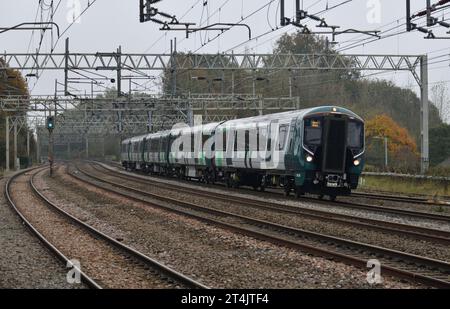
(50, 123)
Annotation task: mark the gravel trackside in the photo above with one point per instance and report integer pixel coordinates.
(24, 261)
(211, 255)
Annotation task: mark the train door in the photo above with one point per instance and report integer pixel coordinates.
(151, 147)
(175, 153)
(291, 163)
(258, 137)
(335, 145)
(136, 151)
(185, 137)
(220, 147)
(159, 141)
(298, 143)
(268, 155)
(281, 146)
(251, 146)
(239, 154)
(167, 149)
(143, 150)
(192, 155)
(262, 155)
(209, 149)
(276, 144)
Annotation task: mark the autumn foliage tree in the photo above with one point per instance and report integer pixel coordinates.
(12, 83)
(385, 126)
(402, 149)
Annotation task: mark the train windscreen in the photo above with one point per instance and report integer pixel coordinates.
(313, 134)
(355, 137)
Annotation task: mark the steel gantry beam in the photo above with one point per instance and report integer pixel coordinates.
(196, 102)
(142, 62)
(140, 115)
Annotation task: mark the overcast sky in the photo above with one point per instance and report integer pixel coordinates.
(110, 23)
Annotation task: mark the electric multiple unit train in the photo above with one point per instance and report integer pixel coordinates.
(316, 150)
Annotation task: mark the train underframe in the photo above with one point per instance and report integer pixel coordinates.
(315, 182)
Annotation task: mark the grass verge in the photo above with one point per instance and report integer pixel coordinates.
(403, 185)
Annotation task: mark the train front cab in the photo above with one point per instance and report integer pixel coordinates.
(331, 157)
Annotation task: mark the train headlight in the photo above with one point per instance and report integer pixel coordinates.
(309, 158)
(357, 162)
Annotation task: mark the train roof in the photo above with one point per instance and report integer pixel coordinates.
(295, 114)
(146, 136)
(284, 116)
(132, 139)
(207, 127)
(332, 110)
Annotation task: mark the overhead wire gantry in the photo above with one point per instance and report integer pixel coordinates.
(118, 61)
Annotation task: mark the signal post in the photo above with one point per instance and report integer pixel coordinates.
(50, 127)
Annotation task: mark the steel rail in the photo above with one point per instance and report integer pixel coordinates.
(384, 226)
(166, 271)
(396, 211)
(409, 266)
(84, 277)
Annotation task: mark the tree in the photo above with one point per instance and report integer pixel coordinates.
(439, 144)
(299, 43)
(440, 99)
(12, 83)
(385, 126)
(401, 146)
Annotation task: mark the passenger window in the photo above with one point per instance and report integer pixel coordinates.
(247, 140)
(224, 134)
(257, 138)
(282, 136)
(262, 138)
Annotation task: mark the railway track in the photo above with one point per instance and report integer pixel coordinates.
(420, 199)
(412, 267)
(360, 206)
(428, 234)
(91, 246)
(63, 258)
